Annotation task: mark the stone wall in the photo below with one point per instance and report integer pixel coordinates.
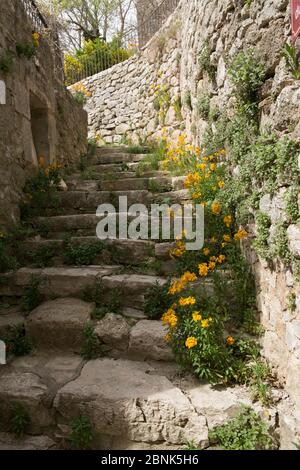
(40, 117)
(123, 103)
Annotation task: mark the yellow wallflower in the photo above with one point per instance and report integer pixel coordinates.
(241, 234)
(221, 259)
(189, 277)
(212, 265)
(202, 166)
(213, 167)
(170, 318)
(227, 238)
(230, 341)
(168, 338)
(221, 184)
(197, 316)
(228, 220)
(206, 251)
(203, 269)
(191, 342)
(216, 208)
(205, 323)
(186, 301)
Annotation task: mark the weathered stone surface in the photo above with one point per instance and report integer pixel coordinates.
(294, 239)
(29, 390)
(113, 331)
(9, 442)
(147, 341)
(123, 401)
(59, 324)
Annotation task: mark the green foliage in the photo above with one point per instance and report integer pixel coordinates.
(191, 445)
(17, 342)
(291, 204)
(7, 260)
(6, 61)
(289, 52)
(247, 75)
(20, 419)
(94, 57)
(177, 106)
(91, 347)
(279, 245)
(83, 254)
(297, 445)
(188, 100)
(205, 61)
(27, 50)
(261, 245)
(156, 300)
(80, 98)
(32, 297)
(291, 302)
(247, 431)
(259, 378)
(43, 256)
(203, 106)
(82, 433)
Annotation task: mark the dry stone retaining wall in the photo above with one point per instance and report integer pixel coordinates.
(39, 116)
(123, 104)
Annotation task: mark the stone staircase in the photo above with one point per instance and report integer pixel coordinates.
(136, 396)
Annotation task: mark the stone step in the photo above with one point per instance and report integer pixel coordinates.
(114, 175)
(130, 404)
(75, 281)
(115, 149)
(117, 158)
(133, 252)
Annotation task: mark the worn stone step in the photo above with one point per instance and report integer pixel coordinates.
(133, 252)
(74, 281)
(117, 158)
(145, 408)
(72, 202)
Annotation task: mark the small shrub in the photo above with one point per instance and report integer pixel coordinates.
(20, 419)
(32, 297)
(82, 254)
(43, 256)
(91, 348)
(247, 431)
(203, 106)
(205, 61)
(7, 261)
(247, 75)
(6, 61)
(82, 433)
(17, 342)
(27, 50)
(156, 301)
(289, 52)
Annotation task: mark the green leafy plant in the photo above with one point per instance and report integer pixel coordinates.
(263, 224)
(6, 61)
(43, 256)
(7, 260)
(188, 100)
(20, 419)
(247, 74)
(297, 445)
(156, 300)
(292, 60)
(82, 254)
(82, 433)
(91, 348)
(247, 431)
(203, 106)
(27, 50)
(205, 61)
(259, 378)
(17, 341)
(291, 302)
(32, 297)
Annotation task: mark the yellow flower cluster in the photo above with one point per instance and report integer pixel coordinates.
(230, 341)
(205, 268)
(216, 208)
(179, 285)
(80, 88)
(179, 250)
(240, 235)
(36, 39)
(170, 318)
(186, 301)
(191, 342)
(228, 220)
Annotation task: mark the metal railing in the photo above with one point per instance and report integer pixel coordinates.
(38, 21)
(108, 54)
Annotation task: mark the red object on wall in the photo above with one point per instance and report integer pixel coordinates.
(295, 9)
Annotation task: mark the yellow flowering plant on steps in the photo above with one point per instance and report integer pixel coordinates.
(211, 297)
